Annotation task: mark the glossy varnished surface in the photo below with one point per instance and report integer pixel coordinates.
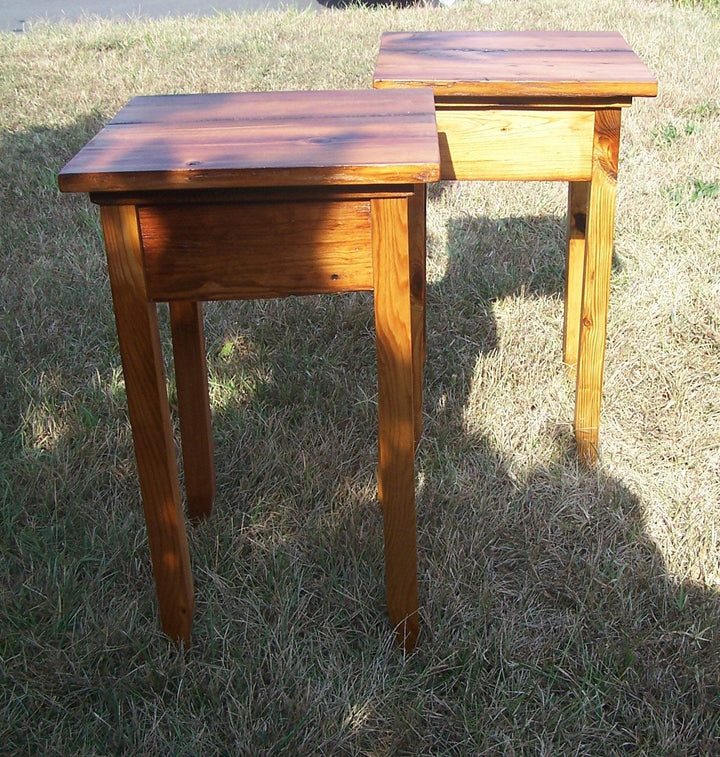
(514, 64)
(537, 106)
(262, 195)
(260, 140)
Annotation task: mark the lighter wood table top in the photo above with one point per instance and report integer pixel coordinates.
(537, 106)
(576, 65)
(260, 140)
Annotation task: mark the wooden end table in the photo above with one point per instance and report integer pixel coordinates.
(236, 196)
(538, 106)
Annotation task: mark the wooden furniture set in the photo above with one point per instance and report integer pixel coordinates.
(237, 196)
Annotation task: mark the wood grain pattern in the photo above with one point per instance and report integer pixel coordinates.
(137, 328)
(513, 64)
(578, 193)
(193, 406)
(537, 106)
(260, 139)
(254, 250)
(396, 412)
(596, 283)
(417, 229)
(262, 195)
(506, 144)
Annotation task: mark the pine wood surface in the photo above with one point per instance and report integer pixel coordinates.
(188, 340)
(596, 284)
(506, 144)
(260, 139)
(381, 246)
(578, 195)
(417, 239)
(138, 334)
(537, 106)
(514, 64)
(392, 253)
(283, 193)
(225, 252)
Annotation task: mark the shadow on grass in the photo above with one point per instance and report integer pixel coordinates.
(542, 573)
(550, 622)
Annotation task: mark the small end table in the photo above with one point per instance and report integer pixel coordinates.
(236, 196)
(538, 106)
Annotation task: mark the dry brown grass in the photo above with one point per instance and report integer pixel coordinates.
(565, 611)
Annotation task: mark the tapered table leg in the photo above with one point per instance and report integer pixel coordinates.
(194, 406)
(136, 320)
(596, 282)
(396, 408)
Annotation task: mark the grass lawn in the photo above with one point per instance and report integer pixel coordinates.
(564, 611)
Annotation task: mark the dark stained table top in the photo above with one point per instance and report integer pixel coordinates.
(514, 64)
(264, 139)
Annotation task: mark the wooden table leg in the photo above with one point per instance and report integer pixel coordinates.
(139, 338)
(396, 410)
(596, 282)
(418, 288)
(578, 193)
(194, 406)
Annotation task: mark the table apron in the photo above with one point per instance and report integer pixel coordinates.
(514, 144)
(256, 250)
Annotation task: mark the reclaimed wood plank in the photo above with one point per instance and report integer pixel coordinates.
(238, 140)
(514, 64)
